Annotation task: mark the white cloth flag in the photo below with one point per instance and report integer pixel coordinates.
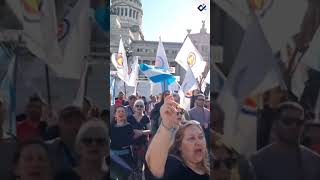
(39, 28)
(189, 83)
(281, 21)
(271, 80)
(74, 40)
(207, 79)
(312, 56)
(251, 73)
(190, 56)
(120, 62)
(82, 87)
(254, 61)
(133, 73)
(161, 58)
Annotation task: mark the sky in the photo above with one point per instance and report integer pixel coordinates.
(170, 19)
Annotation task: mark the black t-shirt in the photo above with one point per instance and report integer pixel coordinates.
(175, 169)
(142, 125)
(72, 175)
(121, 136)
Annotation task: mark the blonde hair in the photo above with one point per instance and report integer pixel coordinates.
(175, 147)
(93, 124)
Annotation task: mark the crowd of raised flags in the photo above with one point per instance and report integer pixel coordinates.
(188, 58)
(62, 44)
(257, 67)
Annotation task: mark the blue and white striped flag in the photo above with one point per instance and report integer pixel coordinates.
(157, 75)
(8, 93)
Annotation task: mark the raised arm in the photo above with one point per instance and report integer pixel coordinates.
(158, 150)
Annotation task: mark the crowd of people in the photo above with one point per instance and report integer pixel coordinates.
(287, 143)
(71, 144)
(136, 132)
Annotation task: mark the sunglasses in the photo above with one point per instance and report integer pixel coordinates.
(200, 99)
(228, 163)
(98, 141)
(180, 113)
(139, 106)
(292, 121)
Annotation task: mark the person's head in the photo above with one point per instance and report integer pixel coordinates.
(31, 161)
(176, 97)
(289, 122)
(275, 96)
(207, 103)
(217, 118)
(190, 145)
(200, 98)
(121, 95)
(223, 163)
(70, 120)
(180, 114)
(121, 114)
(153, 98)
(104, 115)
(164, 95)
(195, 92)
(139, 106)
(34, 111)
(92, 141)
(132, 99)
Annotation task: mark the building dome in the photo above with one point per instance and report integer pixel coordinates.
(129, 12)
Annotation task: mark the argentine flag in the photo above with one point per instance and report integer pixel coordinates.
(157, 75)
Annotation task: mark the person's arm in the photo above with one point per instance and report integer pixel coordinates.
(158, 150)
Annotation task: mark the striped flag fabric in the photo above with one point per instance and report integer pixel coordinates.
(156, 75)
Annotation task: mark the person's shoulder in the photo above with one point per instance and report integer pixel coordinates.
(262, 153)
(308, 153)
(207, 110)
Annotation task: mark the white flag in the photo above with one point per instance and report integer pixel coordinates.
(207, 79)
(272, 79)
(39, 28)
(280, 20)
(74, 40)
(312, 56)
(81, 91)
(119, 60)
(133, 73)
(254, 61)
(189, 83)
(189, 56)
(161, 59)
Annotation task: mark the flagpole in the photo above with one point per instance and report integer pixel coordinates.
(86, 81)
(125, 89)
(48, 84)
